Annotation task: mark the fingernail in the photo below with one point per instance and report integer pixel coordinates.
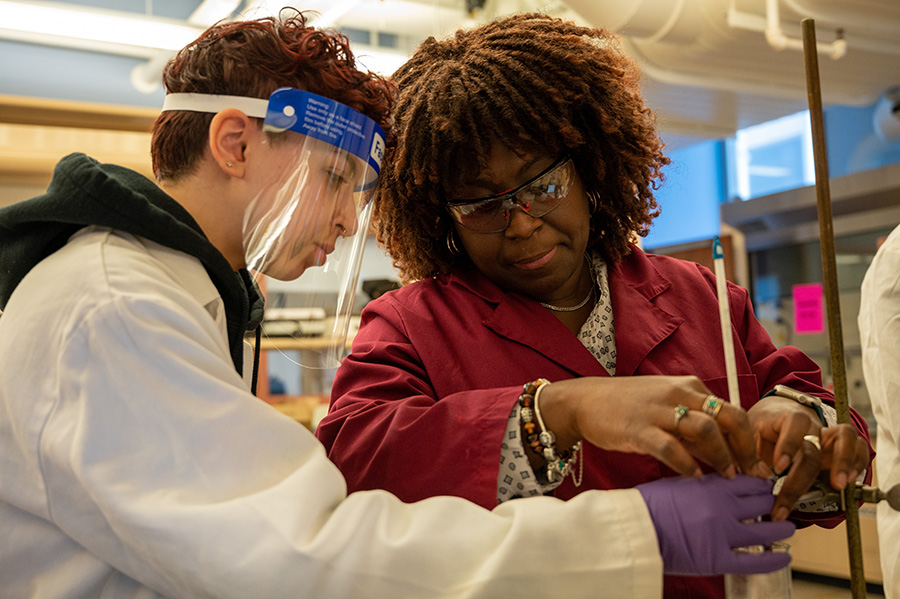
(840, 481)
(782, 464)
(854, 474)
(698, 473)
(730, 472)
(780, 514)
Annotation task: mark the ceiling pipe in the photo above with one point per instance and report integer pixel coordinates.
(723, 80)
(855, 28)
(643, 22)
(146, 77)
(856, 19)
(671, 21)
(778, 40)
(668, 30)
(774, 34)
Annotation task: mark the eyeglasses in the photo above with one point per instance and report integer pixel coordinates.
(536, 198)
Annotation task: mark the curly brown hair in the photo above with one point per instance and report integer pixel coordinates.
(254, 58)
(528, 81)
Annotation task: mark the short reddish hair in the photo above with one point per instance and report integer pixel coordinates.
(254, 58)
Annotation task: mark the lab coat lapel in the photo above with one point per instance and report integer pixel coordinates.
(641, 325)
(524, 321)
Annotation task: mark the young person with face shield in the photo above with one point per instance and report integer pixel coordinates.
(134, 460)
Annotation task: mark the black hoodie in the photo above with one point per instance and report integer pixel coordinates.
(84, 192)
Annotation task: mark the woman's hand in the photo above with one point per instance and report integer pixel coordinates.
(637, 415)
(780, 424)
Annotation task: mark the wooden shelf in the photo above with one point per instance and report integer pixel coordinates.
(36, 132)
(21, 110)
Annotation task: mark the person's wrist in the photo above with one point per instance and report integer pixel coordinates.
(812, 403)
(560, 461)
(556, 409)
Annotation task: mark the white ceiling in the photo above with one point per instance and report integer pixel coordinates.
(708, 66)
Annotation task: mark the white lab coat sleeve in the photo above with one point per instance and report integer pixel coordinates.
(159, 462)
(879, 327)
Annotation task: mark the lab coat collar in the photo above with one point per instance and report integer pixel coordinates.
(634, 285)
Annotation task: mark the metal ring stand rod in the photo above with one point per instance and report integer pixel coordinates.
(832, 301)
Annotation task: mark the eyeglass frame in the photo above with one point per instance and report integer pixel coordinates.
(511, 194)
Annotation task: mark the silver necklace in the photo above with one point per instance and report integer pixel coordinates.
(571, 308)
(581, 304)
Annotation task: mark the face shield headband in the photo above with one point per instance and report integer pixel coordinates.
(308, 216)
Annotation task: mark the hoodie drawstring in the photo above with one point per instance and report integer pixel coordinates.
(255, 378)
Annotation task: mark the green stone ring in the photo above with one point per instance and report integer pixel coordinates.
(680, 412)
(712, 405)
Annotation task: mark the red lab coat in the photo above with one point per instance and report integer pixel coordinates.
(421, 404)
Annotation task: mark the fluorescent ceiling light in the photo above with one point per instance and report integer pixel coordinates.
(60, 24)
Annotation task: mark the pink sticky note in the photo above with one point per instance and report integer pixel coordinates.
(809, 310)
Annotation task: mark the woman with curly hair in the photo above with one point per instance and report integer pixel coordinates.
(535, 349)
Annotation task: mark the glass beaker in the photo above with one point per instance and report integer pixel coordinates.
(774, 585)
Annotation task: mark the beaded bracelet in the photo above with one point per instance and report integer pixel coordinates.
(543, 443)
(559, 464)
(526, 401)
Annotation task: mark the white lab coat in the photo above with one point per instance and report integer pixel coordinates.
(879, 329)
(134, 462)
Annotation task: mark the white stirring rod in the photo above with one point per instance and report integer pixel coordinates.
(734, 395)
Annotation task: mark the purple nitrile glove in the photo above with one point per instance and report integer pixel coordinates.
(698, 523)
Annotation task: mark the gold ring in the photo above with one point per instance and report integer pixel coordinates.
(712, 405)
(680, 412)
(814, 439)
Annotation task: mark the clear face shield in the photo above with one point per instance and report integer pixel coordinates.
(309, 217)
